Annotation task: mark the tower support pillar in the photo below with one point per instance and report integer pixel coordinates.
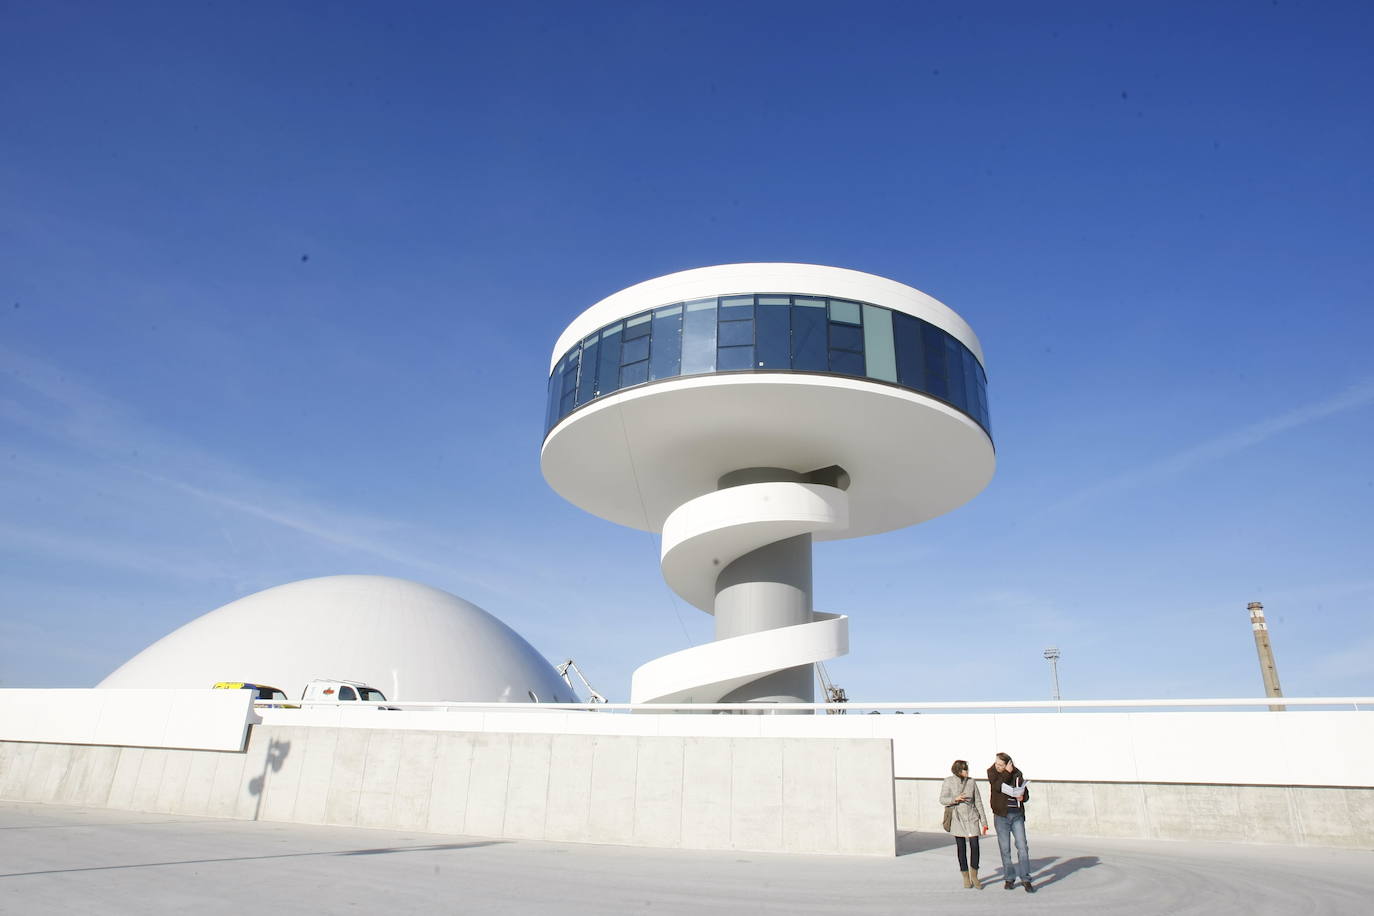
(767, 588)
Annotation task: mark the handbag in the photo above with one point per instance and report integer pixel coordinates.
(948, 822)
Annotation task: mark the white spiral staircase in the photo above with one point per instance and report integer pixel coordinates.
(704, 536)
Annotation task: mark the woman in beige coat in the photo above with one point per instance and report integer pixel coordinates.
(968, 820)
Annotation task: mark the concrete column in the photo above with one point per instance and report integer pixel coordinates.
(765, 589)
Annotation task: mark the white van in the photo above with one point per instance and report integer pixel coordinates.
(340, 691)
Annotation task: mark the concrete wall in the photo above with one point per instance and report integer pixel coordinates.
(205, 719)
(760, 794)
(785, 783)
(1286, 815)
(1187, 747)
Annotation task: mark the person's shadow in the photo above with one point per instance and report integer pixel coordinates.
(276, 756)
(1045, 872)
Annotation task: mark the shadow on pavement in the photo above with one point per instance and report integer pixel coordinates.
(385, 850)
(918, 841)
(285, 855)
(1048, 871)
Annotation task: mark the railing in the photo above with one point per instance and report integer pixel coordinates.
(852, 707)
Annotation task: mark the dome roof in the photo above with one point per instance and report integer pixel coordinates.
(411, 641)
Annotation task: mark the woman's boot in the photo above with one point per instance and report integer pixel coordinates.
(973, 879)
(967, 882)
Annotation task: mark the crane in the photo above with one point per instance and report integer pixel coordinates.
(833, 694)
(592, 695)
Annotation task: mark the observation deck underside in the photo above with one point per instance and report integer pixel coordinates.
(636, 457)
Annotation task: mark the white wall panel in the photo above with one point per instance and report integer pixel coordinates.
(570, 789)
(195, 719)
(527, 788)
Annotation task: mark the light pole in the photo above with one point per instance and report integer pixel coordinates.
(1052, 656)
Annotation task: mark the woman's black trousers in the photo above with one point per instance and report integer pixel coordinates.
(967, 859)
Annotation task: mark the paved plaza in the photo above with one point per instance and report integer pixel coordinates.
(81, 860)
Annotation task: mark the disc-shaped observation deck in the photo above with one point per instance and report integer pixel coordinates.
(745, 409)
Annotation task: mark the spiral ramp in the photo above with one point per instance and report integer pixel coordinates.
(701, 538)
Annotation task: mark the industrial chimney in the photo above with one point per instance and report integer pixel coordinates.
(1266, 654)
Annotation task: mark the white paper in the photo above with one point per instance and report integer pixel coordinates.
(1014, 793)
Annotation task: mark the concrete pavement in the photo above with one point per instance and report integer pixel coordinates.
(81, 860)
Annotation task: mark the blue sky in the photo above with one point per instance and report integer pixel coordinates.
(279, 285)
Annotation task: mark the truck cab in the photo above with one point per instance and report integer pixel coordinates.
(260, 691)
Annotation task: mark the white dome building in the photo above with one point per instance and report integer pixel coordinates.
(411, 641)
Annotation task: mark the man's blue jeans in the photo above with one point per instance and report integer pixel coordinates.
(1013, 825)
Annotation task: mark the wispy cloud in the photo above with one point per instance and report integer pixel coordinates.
(59, 407)
(105, 552)
(1354, 397)
(319, 522)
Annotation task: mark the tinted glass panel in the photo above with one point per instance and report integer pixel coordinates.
(934, 350)
(906, 337)
(699, 337)
(346, 693)
(736, 333)
(840, 310)
(971, 385)
(608, 373)
(772, 349)
(570, 370)
(665, 360)
(633, 350)
(846, 363)
(551, 408)
(586, 382)
(954, 371)
(880, 356)
(637, 327)
(809, 329)
(734, 308)
(983, 397)
(846, 337)
(634, 374)
(728, 358)
(775, 300)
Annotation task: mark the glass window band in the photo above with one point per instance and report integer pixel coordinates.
(762, 333)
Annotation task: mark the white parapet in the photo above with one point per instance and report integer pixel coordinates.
(1317, 747)
(200, 719)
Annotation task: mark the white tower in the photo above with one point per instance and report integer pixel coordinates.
(1268, 670)
(745, 410)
